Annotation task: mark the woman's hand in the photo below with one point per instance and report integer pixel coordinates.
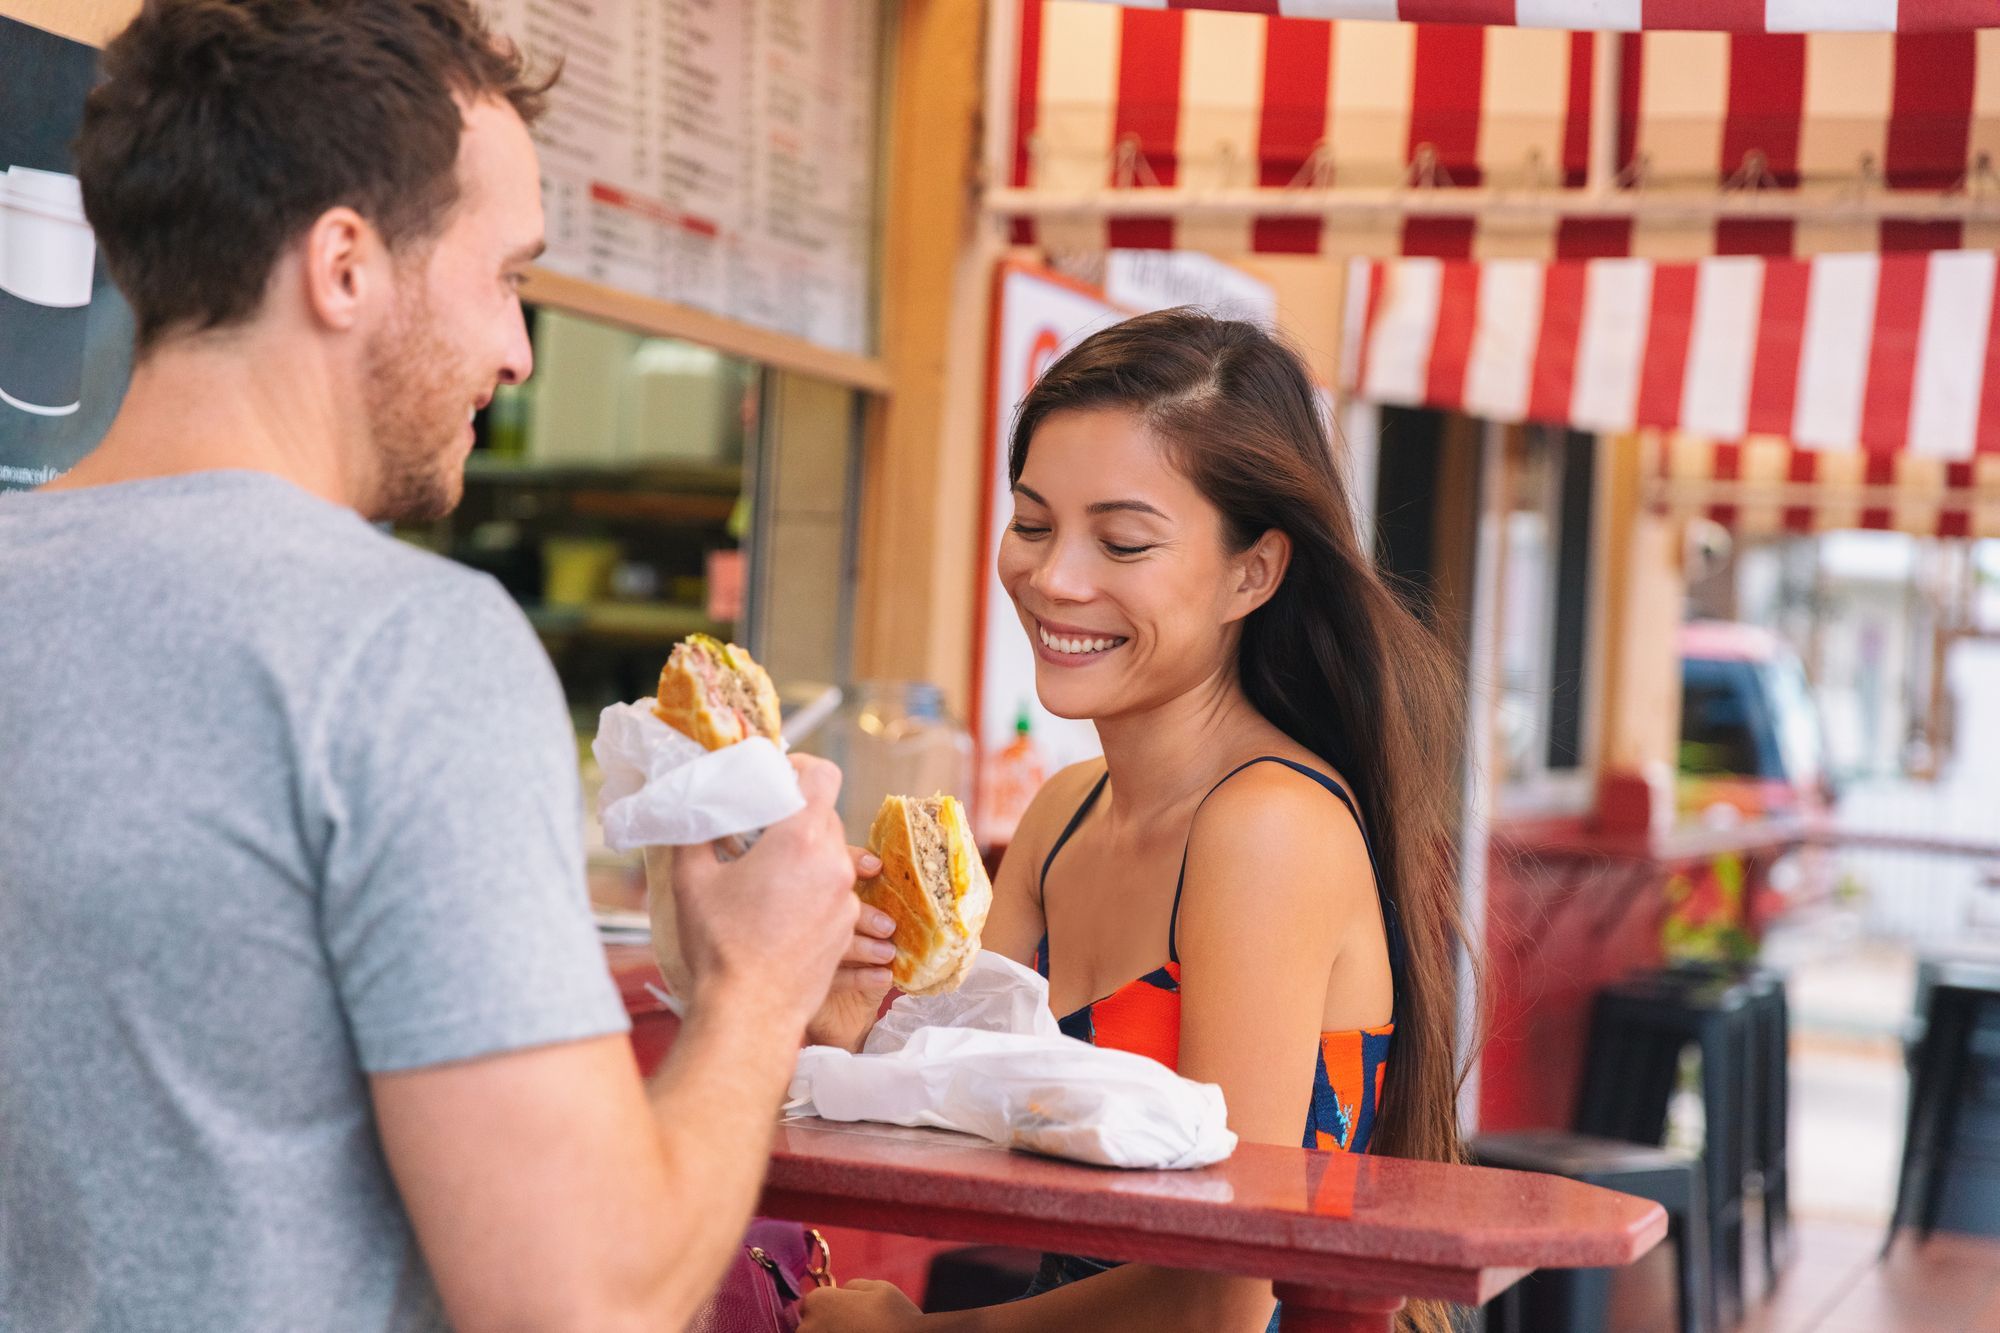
(863, 977)
(860, 1306)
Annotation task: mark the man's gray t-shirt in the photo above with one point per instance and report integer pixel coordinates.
(283, 802)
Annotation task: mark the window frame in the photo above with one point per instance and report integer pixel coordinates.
(1573, 636)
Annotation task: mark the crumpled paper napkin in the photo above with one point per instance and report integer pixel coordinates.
(662, 789)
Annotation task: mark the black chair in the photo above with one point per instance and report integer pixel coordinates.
(1577, 1300)
(1638, 1030)
(1770, 1098)
(1953, 999)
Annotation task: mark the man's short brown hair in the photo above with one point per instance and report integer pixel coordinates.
(222, 128)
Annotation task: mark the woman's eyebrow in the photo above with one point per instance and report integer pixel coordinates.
(1101, 507)
(1123, 507)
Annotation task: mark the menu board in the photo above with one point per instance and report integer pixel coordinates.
(717, 153)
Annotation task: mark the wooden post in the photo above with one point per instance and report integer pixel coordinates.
(925, 445)
(1639, 745)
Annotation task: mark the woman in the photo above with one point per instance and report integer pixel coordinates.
(1254, 885)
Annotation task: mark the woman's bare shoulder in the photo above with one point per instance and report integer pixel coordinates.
(1285, 824)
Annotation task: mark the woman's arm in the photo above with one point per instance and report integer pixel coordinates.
(1277, 877)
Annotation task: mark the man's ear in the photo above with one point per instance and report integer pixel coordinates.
(342, 261)
(1260, 570)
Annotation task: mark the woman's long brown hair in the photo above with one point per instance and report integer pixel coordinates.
(1335, 659)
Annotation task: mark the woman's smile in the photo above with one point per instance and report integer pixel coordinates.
(1072, 646)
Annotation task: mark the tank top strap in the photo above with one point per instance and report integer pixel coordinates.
(1042, 881)
(1391, 926)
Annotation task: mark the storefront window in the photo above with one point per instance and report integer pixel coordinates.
(639, 489)
(1544, 615)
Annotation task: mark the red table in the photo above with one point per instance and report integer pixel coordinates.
(1345, 1239)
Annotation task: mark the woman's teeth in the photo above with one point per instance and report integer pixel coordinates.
(1067, 644)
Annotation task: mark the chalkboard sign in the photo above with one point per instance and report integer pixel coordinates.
(65, 333)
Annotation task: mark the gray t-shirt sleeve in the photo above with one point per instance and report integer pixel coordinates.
(454, 911)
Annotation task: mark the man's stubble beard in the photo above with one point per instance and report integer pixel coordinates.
(415, 411)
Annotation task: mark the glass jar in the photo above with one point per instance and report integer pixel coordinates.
(893, 738)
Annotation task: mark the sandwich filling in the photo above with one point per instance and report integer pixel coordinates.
(725, 690)
(933, 848)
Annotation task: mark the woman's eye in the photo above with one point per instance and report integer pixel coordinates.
(1125, 552)
(1029, 530)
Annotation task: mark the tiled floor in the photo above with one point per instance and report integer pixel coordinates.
(1836, 1282)
(1850, 1000)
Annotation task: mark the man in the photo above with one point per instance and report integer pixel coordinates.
(303, 1021)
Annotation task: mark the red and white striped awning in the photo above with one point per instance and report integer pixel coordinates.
(1764, 485)
(1240, 132)
(1911, 112)
(1847, 390)
(1632, 15)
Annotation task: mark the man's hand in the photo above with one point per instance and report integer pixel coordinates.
(769, 929)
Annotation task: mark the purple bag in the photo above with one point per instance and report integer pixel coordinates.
(760, 1293)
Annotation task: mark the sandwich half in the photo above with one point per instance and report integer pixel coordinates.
(715, 693)
(934, 886)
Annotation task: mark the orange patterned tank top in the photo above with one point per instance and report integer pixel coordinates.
(1144, 1016)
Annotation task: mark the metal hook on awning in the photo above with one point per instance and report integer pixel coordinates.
(1534, 170)
(1425, 171)
(1754, 174)
(1038, 157)
(1227, 164)
(1867, 180)
(1130, 167)
(1980, 180)
(1316, 172)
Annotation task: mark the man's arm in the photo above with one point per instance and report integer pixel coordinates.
(551, 1190)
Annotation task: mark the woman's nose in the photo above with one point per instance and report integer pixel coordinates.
(1061, 574)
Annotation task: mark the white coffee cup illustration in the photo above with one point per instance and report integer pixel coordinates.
(47, 259)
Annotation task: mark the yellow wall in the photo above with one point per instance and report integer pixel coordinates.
(90, 21)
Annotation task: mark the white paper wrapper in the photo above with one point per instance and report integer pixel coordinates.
(1007, 1074)
(663, 790)
(998, 995)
